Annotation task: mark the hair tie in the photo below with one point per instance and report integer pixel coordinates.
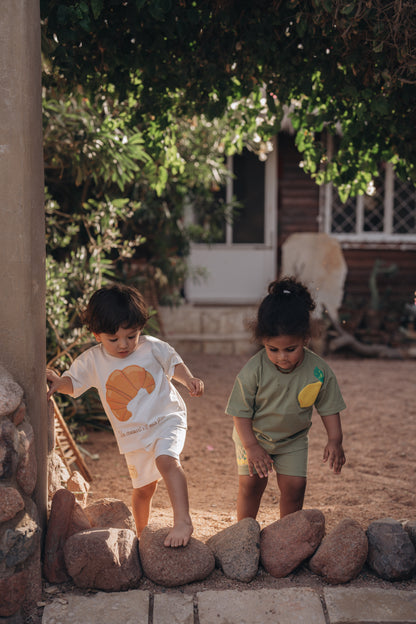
(286, 292)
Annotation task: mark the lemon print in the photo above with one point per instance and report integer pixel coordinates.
(132, 471)
(307, 396)
(241, 456)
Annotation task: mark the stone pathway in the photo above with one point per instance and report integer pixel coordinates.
(338, 605)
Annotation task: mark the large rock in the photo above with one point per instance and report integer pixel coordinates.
(410, 528)
(20, 582)
(110, 512)
(19, 415)
(173, 566)
(27, 470)
(9, 444)
(33, 591)
(342, 553)
(20, 537)
(12, 592)
(391, 553)
(316, 259)
(237, 550)
(11, 394)
(106, 559)
(79, 487)
(11, 502)
(66, 518)
(286, 543)
(58, 474)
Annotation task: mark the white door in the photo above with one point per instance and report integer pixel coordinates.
(239, 270)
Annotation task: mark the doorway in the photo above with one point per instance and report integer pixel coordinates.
(238, 270)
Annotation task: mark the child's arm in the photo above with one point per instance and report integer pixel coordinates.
(185, 377)
(58, 384)
(257, 457)
(333, 449)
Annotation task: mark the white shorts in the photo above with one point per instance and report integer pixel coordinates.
(141, 464)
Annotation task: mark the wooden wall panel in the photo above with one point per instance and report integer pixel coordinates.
(395, 289)
(298, 196)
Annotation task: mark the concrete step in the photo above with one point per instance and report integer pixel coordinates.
(337, 605)
(218, 330)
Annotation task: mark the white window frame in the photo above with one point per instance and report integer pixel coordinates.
(359, 237)
(270, 217)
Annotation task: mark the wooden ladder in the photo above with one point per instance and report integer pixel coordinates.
(66, 446)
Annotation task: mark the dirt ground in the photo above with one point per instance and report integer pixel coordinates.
(378, 480)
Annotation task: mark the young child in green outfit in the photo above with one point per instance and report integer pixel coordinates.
(132, 373)
(272, 402)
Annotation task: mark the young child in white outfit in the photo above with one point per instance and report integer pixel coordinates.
(132, 373)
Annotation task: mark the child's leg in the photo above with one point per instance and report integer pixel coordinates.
(250, 491)
(292, 492)
(175, 480)
(141, 505)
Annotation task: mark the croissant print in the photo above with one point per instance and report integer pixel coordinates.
(123, 385)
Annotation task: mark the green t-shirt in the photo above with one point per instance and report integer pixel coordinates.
(280, 404)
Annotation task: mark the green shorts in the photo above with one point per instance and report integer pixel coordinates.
(291, 458)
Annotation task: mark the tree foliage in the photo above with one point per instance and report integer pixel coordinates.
(346, 65)
(117, 190)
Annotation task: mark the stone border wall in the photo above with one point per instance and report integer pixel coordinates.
(20, 530)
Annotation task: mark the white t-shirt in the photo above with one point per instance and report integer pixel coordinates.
(136, 391)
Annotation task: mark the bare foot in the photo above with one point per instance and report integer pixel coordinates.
(179, 535)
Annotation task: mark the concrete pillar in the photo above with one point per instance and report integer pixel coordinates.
(22, 238)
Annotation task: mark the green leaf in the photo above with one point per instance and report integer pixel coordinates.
(301, 25)
(159, 8)
(96, 8)
(348, 8)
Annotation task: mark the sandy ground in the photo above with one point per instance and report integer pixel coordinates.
(378, 480)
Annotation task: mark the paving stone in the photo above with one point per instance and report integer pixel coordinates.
(173, 609)
(130, 607)
(265, 606)
(370, 606)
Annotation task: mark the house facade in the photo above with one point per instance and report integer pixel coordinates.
(377, 235)
(279, 199)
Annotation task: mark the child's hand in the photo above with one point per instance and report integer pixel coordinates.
(53, 380)
(195, 387)
(58, 384)
(334, 453)
(258, 460)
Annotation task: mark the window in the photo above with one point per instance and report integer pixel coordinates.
(248, 189)
(388, 215)
(245, 193)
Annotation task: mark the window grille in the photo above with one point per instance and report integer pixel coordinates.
(388, 214)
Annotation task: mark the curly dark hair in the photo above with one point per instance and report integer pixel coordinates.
(284, 311)
(113, 307)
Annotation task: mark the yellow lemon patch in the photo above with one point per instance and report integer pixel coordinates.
(241, 456)
(307, 396)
